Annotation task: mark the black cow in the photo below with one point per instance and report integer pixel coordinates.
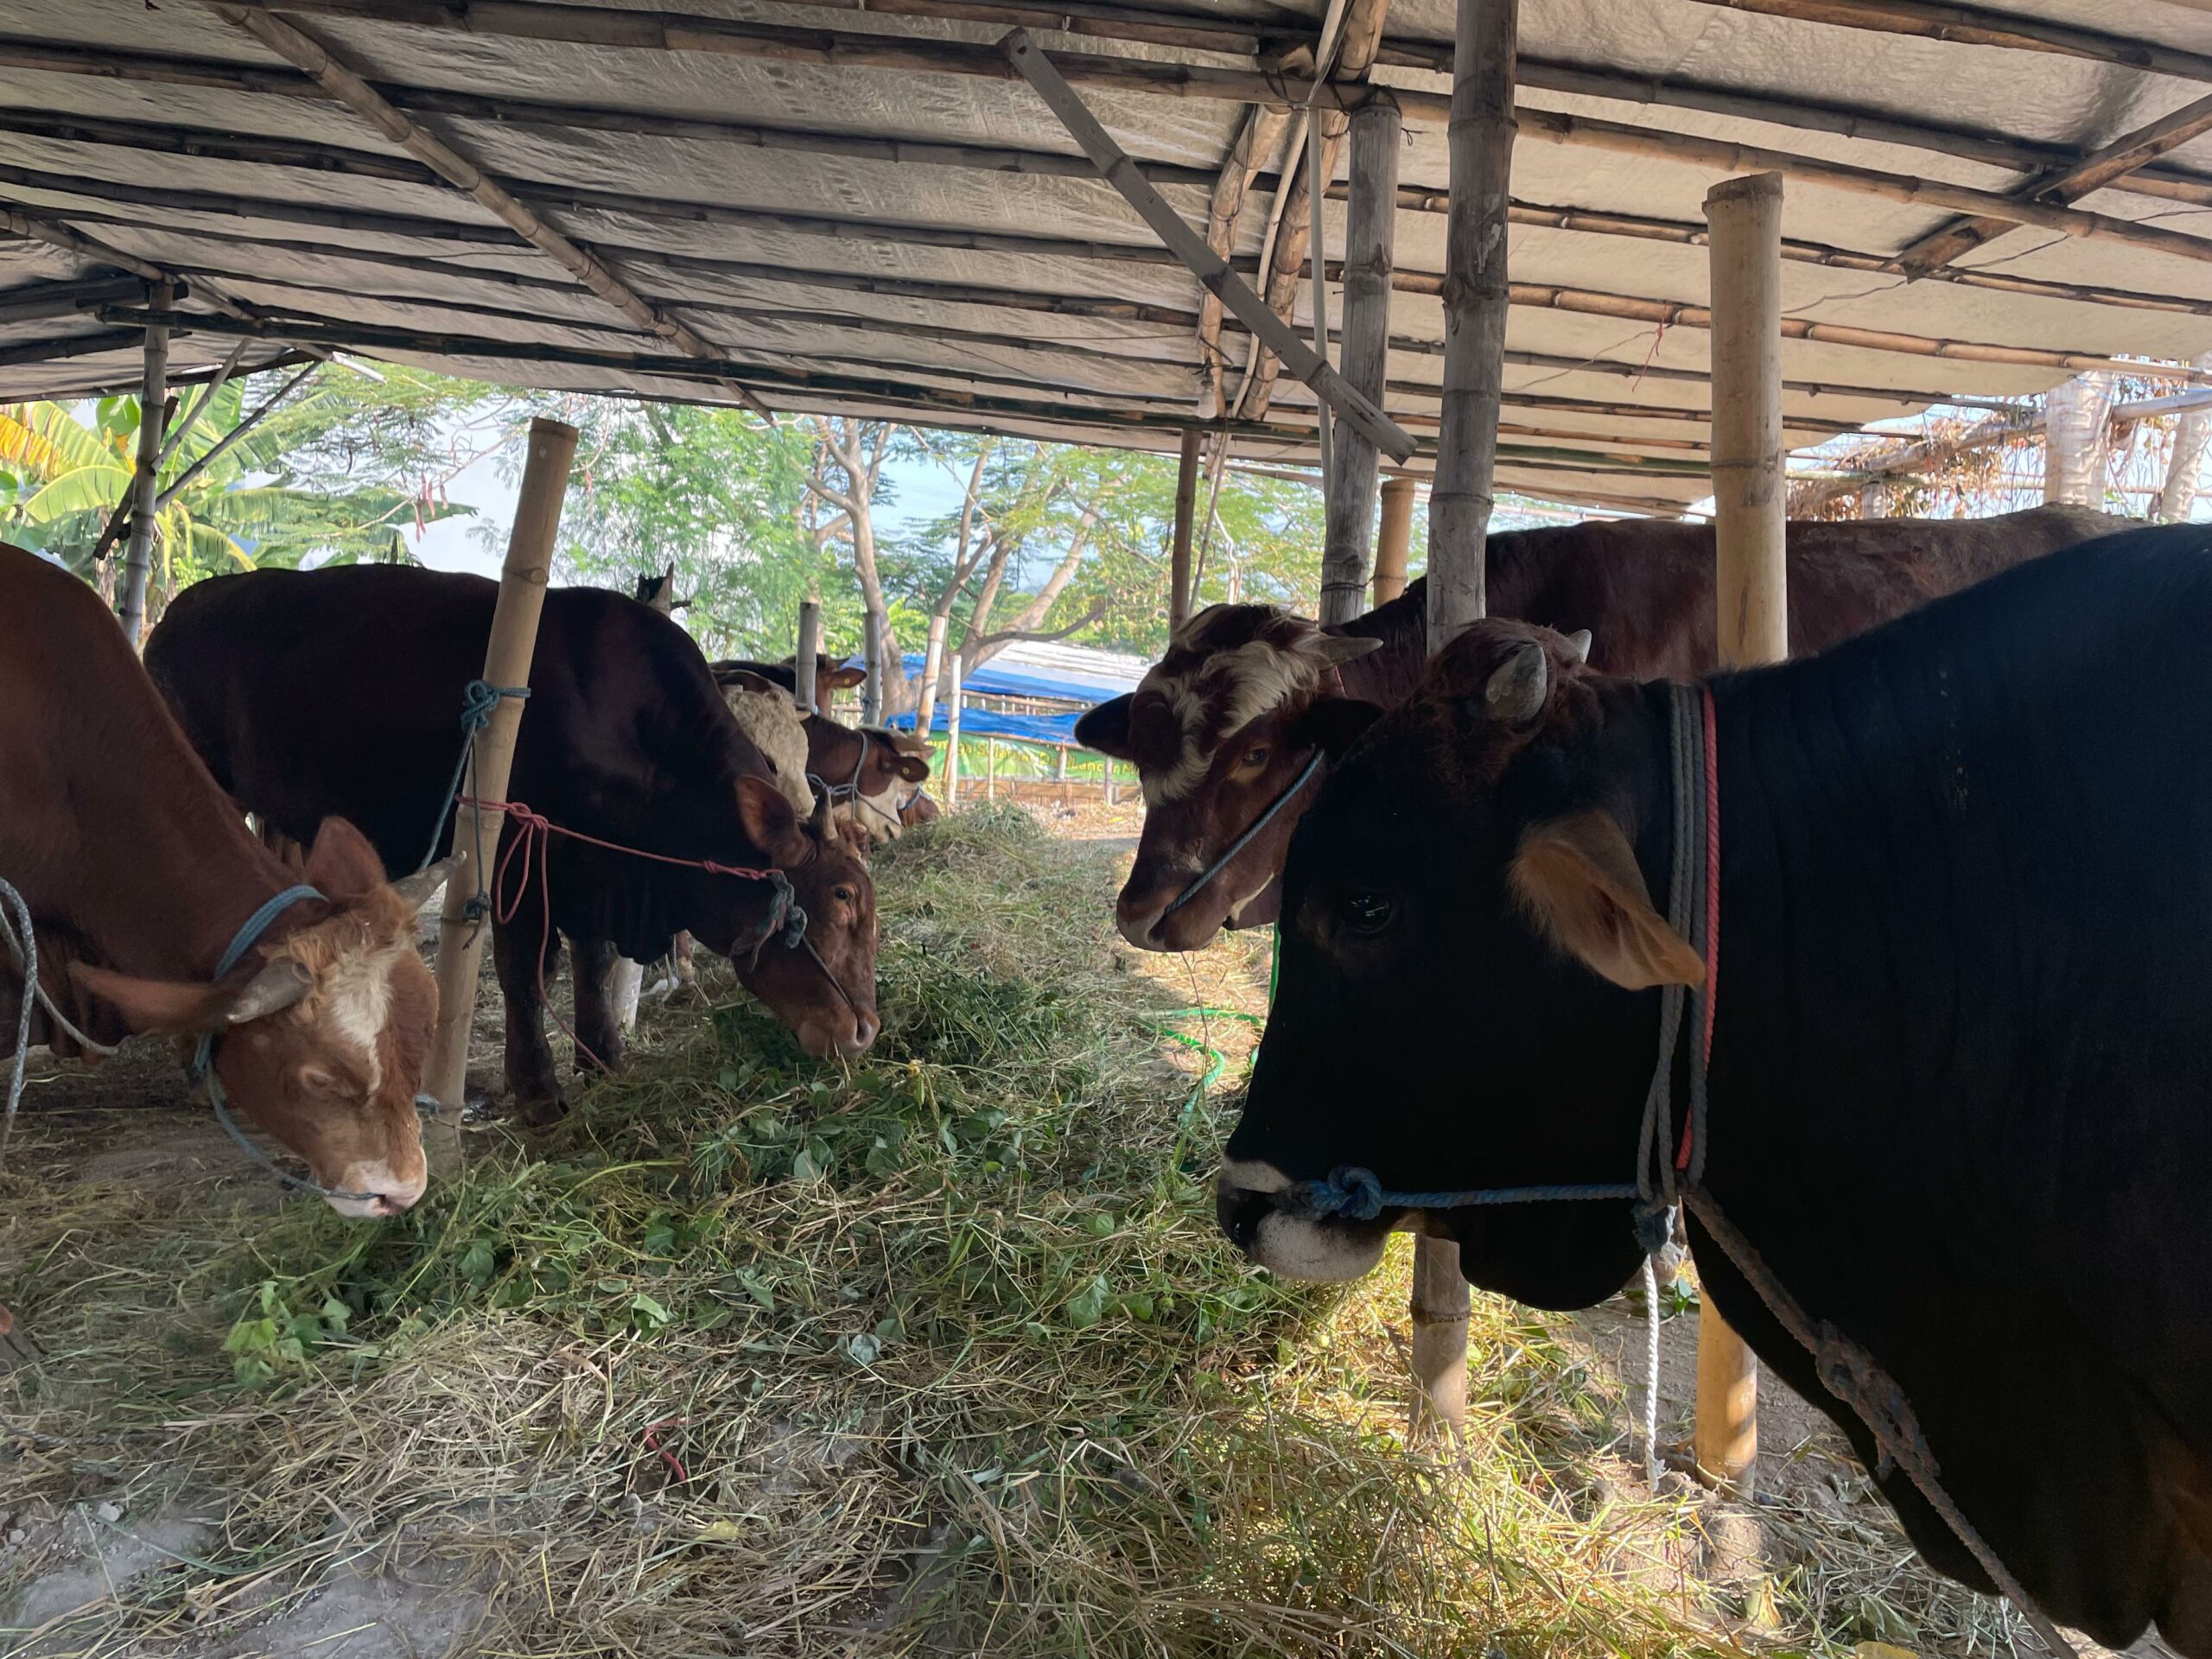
(1961, 1074)
(339, 693)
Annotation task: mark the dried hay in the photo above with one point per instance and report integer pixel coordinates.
(943, 1355)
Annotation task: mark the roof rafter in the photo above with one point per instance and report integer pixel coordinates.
(343, 86)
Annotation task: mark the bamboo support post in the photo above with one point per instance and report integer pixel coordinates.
(933, 668)
(805, 659)
(990, 768)
(523, 579)
(1750, 501)
(1394, 539)
(1186, 501)
(1363, 354)
(952, 734)
(1458, 524)
(138, 560)
(871, 667)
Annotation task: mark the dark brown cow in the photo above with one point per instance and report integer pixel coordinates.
(138, 872)
(307, 693)
(863, 770)
(1214, 729)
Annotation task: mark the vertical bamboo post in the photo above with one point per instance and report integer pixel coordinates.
(872, 665)
(932, 666)
(990, 768)
(1475, 294)
(1394, 539)
(551, 452)
(153, 401)
(2076, 441)
(1364, 349)
(809, 651)
(952, 734)
(1186, 505)
(1750, 501)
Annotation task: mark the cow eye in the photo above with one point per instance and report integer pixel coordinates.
(1256, 757)
(845, 895)
(1366, 912)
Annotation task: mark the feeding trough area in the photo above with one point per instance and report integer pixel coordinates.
(888, 1308)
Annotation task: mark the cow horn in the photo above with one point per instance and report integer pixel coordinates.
(275, 987)
(823, 815)
(1579, 641)
(1340, 648)
(1517, 689)
(415, 890)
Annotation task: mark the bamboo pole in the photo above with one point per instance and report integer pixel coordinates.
(872, 665)
(343, 86)
(1186, 497)
(952, 734)
(507, 652)
(1394, 539)
(1363, 357)
(1255, 142)
(153, 399)
(933, 668)
(1482, 137)
(1750, 502)
(804, 659)
(1233, 291)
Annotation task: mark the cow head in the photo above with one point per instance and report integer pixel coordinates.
(1468, 946)
(825, 995)
(659, 593)
(1219, 728)
(892, 764)
(322, 1035)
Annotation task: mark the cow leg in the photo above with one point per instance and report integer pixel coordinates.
(517, 949)
(679, 960)
(591, 964)
(623, 989)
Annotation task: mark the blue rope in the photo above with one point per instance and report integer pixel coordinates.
(1356, 1194)
(203, 1054)
(478, 699)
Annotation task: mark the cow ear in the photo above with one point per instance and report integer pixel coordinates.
(168, 1007)
(1333, 725)
(342, 866)
(913, 768)
(1338, 649)
(1578, 879)
(839, 679)
(1105, 729)
(769, 822)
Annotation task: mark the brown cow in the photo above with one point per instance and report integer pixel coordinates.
(830, 674)
(138, 871)
(1214, 729)
(862, 770)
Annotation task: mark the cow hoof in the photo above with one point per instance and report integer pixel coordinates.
(540, 1111)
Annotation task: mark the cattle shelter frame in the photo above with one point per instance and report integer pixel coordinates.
(897, 210)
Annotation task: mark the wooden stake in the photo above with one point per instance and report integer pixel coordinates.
(1394, 539)
(153, 399)
(1364, 353)
(1750, 502)
(872, 664)
(1206, 265)
(1482, 130)
(507, 653)
(1186, 499)
(952, 734)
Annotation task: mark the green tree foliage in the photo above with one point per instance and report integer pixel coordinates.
(719, 494)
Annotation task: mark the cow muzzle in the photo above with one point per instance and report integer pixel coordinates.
(1247, 1203)
(840, 1035)
(371, 1192)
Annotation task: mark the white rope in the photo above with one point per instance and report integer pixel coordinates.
(1651, 1377)
(23, 1012)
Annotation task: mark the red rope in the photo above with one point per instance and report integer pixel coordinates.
(534, 828)
(675, 1463)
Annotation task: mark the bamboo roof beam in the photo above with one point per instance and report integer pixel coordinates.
(1973, 26)
(2105, 165)
(1255, 142)
(1234, 293)
(343, 86)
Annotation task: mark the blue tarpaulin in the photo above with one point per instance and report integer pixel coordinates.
(982, 722)
(997, 678)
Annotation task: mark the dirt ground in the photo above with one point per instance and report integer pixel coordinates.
(129, 1121)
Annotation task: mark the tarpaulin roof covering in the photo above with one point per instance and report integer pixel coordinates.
(849, 205)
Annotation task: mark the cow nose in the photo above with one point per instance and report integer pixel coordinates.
(1240, 1211)
(866, 1025)
(1136, 915)
(374, 1191)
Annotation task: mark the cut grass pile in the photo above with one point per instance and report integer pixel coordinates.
(942, 1355)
